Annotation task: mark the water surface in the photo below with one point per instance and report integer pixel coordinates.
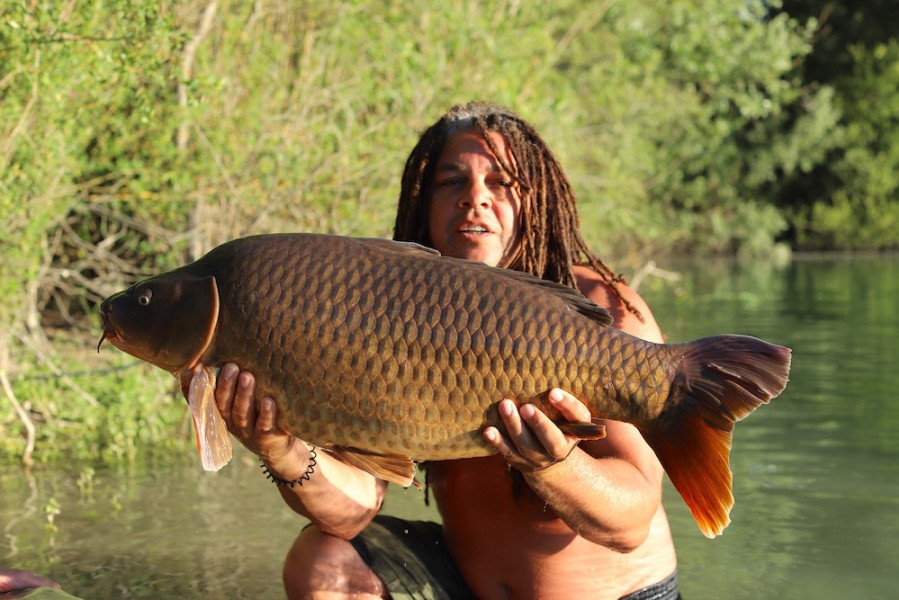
(816, 473)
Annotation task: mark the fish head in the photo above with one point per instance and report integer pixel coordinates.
(168, 321)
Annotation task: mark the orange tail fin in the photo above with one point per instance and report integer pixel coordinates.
(721, 380)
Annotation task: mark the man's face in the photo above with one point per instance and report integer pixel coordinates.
(475, 204)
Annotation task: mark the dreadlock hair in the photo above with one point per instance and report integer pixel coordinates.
(549, 242)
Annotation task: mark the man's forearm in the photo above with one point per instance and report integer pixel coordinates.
(341, 500)
(607, 501)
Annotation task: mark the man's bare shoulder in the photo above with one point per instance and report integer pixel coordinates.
(594, 287)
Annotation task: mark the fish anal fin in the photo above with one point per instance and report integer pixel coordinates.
(395, 468)
(213, 439)
(583, 430)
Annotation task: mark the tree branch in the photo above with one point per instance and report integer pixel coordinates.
(187, 64)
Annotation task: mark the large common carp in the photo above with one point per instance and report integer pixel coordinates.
(386, 352)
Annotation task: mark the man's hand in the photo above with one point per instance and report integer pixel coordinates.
(533, 442)
(14, 580)
(252, 422)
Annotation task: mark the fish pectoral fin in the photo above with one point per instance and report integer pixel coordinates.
(395, 468)
(213, 440)
(583, 430)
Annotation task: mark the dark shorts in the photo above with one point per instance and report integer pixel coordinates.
(411, 559)
(663, 590)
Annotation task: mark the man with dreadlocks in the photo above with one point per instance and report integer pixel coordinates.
(547, 516)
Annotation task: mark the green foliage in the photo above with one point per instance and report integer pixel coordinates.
(734, 68)
(869, 165)
(848, 198)
(680, 111)
(136, 412)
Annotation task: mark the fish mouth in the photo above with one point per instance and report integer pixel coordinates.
(109, 332)
(107, 329)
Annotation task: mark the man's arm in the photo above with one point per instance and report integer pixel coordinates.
(606, 490)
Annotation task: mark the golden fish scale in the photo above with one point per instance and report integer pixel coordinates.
(402, 352)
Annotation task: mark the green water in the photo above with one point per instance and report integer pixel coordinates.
(816, 473)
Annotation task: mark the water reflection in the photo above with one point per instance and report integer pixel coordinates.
(816, 473)
(167, 532)
(153, 533)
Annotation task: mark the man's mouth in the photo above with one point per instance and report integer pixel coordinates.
(475, 229)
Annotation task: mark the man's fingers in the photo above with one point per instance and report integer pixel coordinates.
(265, 422)
(553, 442)
(524, 443)
(226, 382)
(570, 407)
(495, 439)
(243, 410)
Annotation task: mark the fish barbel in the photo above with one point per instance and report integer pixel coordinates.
(386, 353)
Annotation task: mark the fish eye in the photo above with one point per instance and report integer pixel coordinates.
(144, 298)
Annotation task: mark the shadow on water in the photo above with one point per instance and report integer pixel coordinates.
(816, 473)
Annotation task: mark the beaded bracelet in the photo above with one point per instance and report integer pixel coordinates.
(291, 482)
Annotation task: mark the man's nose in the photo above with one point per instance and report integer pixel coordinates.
(478, 195)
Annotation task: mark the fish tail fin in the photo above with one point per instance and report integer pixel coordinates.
(721, 380)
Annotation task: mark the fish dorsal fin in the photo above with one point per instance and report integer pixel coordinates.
(213, 441)
(395, 246)
(395, 468)
(574, 298)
